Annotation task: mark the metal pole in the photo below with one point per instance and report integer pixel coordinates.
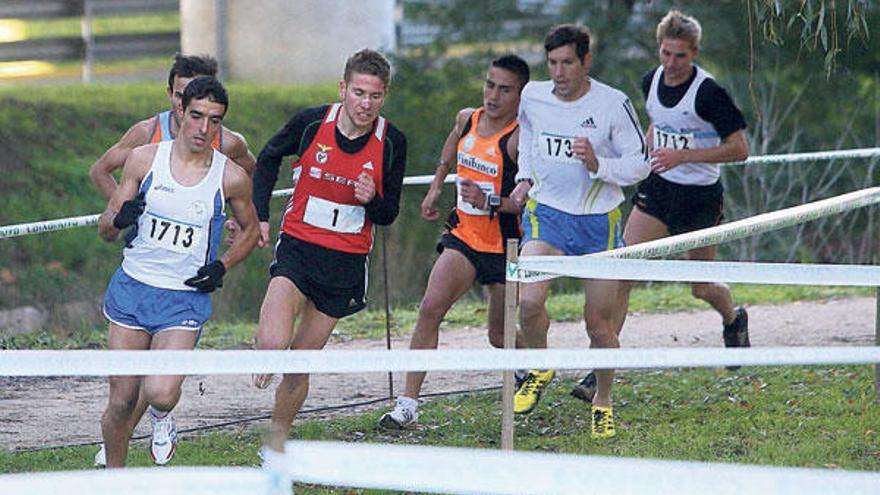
(387, 309)
(88, 42)
(220, 18)
(510, 300)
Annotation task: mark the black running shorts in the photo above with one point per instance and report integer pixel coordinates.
(682, 208)
(489, 266)
(335, 282)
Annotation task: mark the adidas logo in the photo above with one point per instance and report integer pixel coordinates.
(588, 123)
(352, 303)
(368, 165)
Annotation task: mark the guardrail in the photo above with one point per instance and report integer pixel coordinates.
(87, 47)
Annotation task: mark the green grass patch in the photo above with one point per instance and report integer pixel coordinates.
(818, 417)
(655, 298)
(71, 27)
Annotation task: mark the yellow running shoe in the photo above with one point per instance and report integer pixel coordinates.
(526, 398)
(602, 422)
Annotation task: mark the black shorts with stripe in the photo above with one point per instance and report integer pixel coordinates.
(335, 281)
(489, 266)
(683, 208)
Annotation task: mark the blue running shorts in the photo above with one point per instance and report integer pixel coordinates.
(574, 235)
(138, 306)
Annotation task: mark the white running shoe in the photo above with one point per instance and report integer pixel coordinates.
(164, 438)
(405, 414)
(101, 457)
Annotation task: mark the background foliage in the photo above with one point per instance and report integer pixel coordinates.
(773, 57)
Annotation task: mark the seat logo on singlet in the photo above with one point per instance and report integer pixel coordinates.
(321, 156)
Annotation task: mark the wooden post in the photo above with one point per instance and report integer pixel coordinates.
(510, 317)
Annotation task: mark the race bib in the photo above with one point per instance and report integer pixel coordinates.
(556, 148)
(170, 234)
(465, 207)
(336, 217)
(673, 140)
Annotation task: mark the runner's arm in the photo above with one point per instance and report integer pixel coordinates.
(631, 165)
(383, 209)
(101, 172)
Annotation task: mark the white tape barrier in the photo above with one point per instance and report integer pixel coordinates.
(415, 180)
(746, 227)
(47, 226)
(495, 472)
(106, 363)
(811, 156)
(698, 271)
(139, 481)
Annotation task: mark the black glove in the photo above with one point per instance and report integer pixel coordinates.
(130, 211)
(209, 277)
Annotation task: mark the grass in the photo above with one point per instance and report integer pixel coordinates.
(656, 298)
(818, 417)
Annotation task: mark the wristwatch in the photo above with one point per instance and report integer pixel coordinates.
(493, 202)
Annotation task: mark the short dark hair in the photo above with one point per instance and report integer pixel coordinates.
(191, 66)
(568, 34)
(206, 87)
(516, 65)
(368, 62)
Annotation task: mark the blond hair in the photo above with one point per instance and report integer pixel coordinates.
(676, 25)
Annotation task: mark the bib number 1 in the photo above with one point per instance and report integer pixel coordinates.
(333, 216)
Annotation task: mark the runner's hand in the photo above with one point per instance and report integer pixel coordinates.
(233, 228)
(429, 212)
(364, 188)
(209, 277)
(130, 212)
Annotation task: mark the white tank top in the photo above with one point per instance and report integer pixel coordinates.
(181, 226)
(680, 127)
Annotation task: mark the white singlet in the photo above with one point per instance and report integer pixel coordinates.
(680, 127)
(181, 226)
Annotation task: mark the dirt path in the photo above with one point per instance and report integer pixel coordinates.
(38, 412)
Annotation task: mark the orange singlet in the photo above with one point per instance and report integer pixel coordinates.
(485, 161)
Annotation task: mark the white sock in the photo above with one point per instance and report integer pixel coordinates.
(157, 414)
(408, 402)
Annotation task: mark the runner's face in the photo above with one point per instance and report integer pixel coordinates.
(569, 73)
(200, 123)
(175, 94)
(501, 93)
(362, 99)
(677, 58)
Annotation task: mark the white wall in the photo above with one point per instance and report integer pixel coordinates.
(285, 41)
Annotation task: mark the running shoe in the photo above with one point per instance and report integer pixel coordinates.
(404, 415)
(101, 457)
(602, 423)
(736, 334)
(526, 398)
(164, 438)
(586, 389)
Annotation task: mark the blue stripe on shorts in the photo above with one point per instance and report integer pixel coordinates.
(574, 235)
(133, 304)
